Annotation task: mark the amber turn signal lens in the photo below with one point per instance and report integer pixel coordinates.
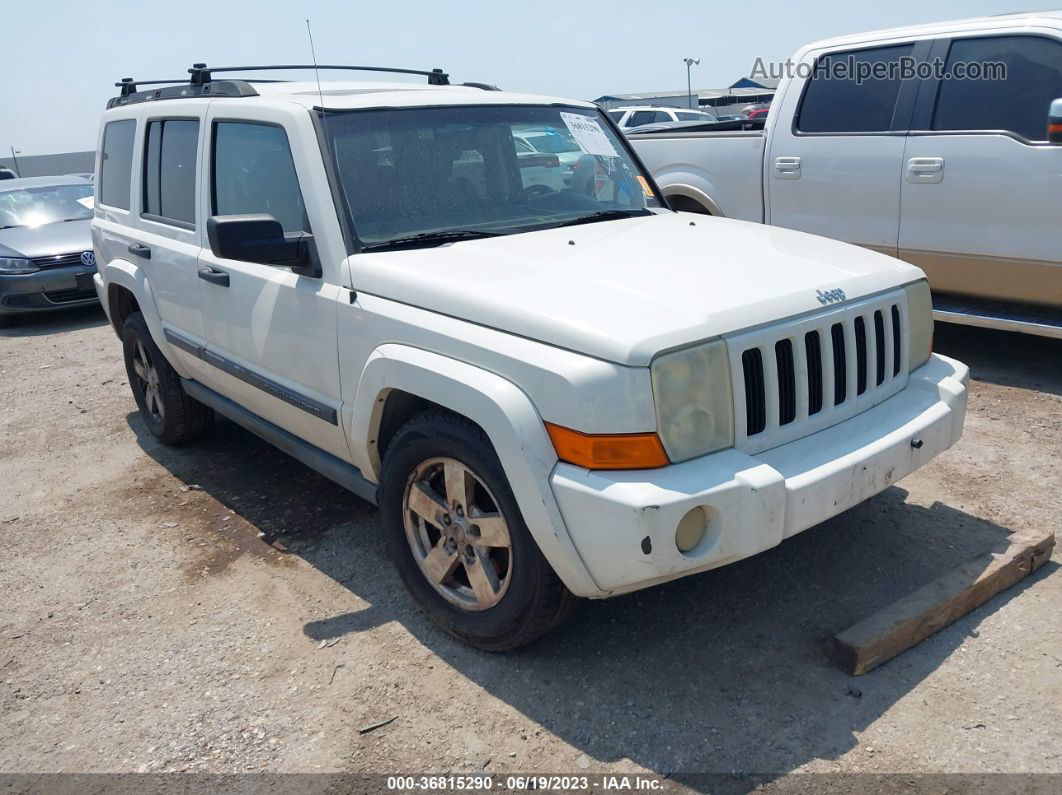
(616, 451)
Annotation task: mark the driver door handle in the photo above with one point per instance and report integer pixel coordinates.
(214, 276)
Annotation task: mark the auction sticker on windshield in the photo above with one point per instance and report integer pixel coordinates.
(589, 135)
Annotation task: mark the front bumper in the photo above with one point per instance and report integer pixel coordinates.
(623, 523)
(47, 290)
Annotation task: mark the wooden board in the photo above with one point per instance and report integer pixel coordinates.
(915, 617)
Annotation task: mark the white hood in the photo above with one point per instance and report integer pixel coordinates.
(625, 290)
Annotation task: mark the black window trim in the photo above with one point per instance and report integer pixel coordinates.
(925, 107)
(905, 99)
(98, 188)
(188, 226)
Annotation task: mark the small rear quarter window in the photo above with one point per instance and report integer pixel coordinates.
(116, 163)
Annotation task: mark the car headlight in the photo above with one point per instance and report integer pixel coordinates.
(694, 403)
(920, 314)
(17, 265)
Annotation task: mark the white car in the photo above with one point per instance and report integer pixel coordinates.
(549, 394)
(629, 118)
(944, 159)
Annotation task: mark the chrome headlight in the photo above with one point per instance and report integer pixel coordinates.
(694, 403)
(16, 265)
(920, 314)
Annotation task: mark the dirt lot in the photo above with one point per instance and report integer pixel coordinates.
(220, 608)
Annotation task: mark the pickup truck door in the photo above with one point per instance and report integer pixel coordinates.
(980, 182)
(836, 145)
(271, 333)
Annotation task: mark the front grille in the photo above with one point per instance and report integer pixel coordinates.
(813, 372)
(57, 261)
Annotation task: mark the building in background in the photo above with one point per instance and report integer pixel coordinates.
(745, 91)
(51, 165)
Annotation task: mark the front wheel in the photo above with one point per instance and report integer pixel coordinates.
(458, 539)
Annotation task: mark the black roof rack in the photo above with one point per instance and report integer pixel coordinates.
(202, 83)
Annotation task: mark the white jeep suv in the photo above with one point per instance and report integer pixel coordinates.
(549, 393)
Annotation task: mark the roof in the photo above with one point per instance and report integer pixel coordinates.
(770, 83)
(1052, 17)
(348, 95)
(42, 182)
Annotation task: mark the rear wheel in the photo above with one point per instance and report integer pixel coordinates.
(167, 410)
(458, 539)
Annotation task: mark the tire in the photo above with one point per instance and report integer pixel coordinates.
(528, 597)
(169, 413)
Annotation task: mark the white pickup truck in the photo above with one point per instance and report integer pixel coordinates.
(948, 165)
(547, 392)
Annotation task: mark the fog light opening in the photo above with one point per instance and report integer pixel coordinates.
(691, 529)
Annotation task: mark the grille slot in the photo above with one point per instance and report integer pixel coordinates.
(879, 346)
(755, 396)
(895, 340)
(783, 357)
(840, 365)
(861, 355)
(813, 352)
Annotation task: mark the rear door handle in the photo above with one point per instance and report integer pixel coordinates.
(214, 275)
(787, 167)
(925, 169)
(140, 250)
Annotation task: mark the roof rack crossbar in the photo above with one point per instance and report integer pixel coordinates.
(201, 73)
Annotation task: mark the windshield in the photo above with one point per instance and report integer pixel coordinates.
(47, 204)
(432, 173)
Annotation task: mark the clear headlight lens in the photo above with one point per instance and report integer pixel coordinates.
(920, 312)
(694, 403)
(16, 265)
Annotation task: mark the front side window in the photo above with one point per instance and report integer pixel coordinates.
(116, 163)
(51, 204)
(466, 171)
(1009, 84)
(254, 173)
(170, 168)
(853, 92)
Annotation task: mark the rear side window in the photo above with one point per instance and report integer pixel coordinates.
(851, 92)
(640, 117)
(616, 114)
(254, 173)
(169, 170)
(1019, 76)
(116, 166)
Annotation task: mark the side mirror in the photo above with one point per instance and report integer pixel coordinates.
(260, 238)
(1054, 123)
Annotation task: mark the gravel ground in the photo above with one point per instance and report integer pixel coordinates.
(220, 608)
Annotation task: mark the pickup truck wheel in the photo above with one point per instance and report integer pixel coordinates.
(458, 540)
(169, 413)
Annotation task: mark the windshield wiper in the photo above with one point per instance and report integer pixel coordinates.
(427, 239)
(602, 215)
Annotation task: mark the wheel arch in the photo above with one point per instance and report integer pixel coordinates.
(129, 290)
(687, 198)
(398, 381)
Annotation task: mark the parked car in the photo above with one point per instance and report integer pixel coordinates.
(628, 118)
(549, 394)
(758, 113)
(46, 257)
(957, 176)
(546, 157)
(7, 173)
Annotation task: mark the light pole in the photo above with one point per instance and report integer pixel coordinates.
(14, 152)
(689, 86)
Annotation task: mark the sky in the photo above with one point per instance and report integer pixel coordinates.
(62, 57)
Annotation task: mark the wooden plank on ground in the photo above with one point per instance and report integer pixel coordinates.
(915, 617)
